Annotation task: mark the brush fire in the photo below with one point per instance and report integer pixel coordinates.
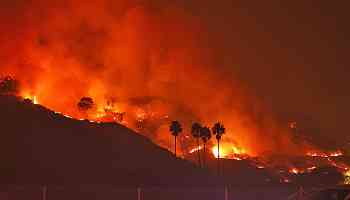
(140, 65)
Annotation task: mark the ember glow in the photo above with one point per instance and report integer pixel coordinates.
(341, 166)
(296, 171)
(325, 154)
(347, 177)
(196, 149)
(30, 97)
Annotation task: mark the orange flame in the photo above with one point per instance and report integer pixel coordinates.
(325, 155)
(229, 151)
(196, 149)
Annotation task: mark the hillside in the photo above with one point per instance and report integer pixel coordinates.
(39, 146)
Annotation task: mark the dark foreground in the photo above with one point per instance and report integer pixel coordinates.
(103, 192)
(109, 192)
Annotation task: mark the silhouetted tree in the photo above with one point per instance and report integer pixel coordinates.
(218, 130)
(28, 101)
(9, 85)
(175, 129)
(119, 116)
(196, 133)
(110, 111)
(205, 135)
(85, 104)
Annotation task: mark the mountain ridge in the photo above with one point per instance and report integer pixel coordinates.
(41, 146)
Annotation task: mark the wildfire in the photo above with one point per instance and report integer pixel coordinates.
(346, 175)
(325, 155)
(196, 149)
(132, 64)
(293, 125)
(229, 151)
(311, 168)
(339, 165)
(140, 114)
(35, 101)
(285, 180)
(296, 171)
(336, 154)
(32, 98)
(67, 116)
(329, 157)
(132, 56)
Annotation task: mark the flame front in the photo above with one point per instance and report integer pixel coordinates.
(324, 154)
(32, 98)
(228, 151)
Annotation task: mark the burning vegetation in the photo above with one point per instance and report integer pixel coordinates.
(140, 64)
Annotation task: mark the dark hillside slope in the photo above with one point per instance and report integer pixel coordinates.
(39, 146)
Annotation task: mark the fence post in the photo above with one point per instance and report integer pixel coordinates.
(301, 193)
(138, 193)
(44, 192)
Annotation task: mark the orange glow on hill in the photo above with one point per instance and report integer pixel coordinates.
(229, 151)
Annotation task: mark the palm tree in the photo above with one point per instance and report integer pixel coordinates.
(175, 129)
(196, 133)
(218, 130)
(205, 135)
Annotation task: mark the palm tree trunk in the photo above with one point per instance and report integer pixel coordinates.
(175, 146)
(199, 153)
(218, 157)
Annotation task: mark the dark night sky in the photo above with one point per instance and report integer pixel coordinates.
(293, 54)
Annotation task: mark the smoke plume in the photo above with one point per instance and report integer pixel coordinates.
(147, 58)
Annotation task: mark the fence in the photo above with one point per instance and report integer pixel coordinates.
(142, 193)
